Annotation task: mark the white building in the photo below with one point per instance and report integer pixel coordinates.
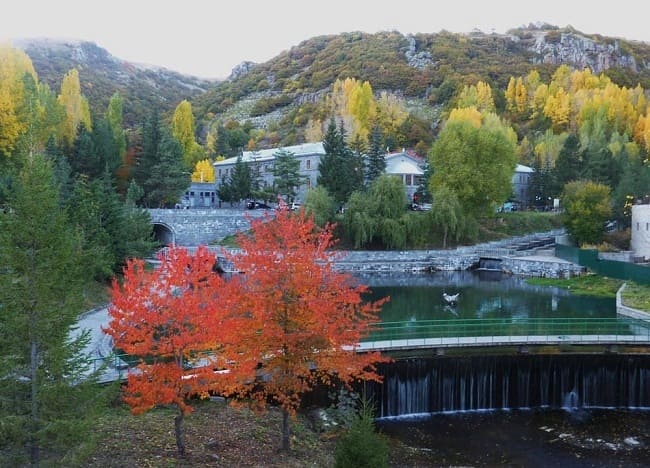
(408, 167)
(404, 165)
(261, 164)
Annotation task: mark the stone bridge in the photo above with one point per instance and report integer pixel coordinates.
(193, 227)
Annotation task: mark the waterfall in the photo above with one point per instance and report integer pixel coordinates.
(477, 383)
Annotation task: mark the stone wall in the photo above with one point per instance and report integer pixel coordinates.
(202, 226)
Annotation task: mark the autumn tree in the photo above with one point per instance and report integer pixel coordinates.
(308, 318)
(170, 319)
(14, 66)
(75, 104)
(203, 171)
(183, 129)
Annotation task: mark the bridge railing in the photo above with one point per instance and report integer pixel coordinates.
(511, 326)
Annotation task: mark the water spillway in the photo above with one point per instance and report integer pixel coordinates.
(480, 383)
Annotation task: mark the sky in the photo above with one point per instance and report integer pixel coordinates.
(207, 38)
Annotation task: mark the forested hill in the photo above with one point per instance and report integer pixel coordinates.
(102, 74)
(426, 68)
(282, 97)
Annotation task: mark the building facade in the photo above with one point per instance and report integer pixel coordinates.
(261, 164)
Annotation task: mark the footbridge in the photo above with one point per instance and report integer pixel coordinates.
(440, 334)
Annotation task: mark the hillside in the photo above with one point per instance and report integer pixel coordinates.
(427, 70)
(281, 96)
(101, 74)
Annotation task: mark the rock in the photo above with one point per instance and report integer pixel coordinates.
(632, 442)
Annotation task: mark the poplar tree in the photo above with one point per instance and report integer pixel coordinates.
(47, 400)
(76, 106)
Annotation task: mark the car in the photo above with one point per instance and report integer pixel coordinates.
(294, 206)
(255, 205)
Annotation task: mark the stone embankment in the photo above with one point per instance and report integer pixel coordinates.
(531, 255)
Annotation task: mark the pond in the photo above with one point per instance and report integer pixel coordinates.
(559, 410)
(481, 295)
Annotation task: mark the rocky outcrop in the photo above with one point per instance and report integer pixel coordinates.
(241, 70)
(419, 59)
(580, 52)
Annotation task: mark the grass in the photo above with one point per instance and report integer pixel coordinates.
(591, 285)
(637, 296)
(516, 224)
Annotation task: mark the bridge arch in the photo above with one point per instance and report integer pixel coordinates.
(163, 233)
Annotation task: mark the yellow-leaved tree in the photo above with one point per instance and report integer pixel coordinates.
(75, 104)
(203, 171)
(183, 130)
(14, 65)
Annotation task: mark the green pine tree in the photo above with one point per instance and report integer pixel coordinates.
(286, 174)
(47, 403)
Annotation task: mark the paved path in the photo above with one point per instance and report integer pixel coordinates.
(100, 346)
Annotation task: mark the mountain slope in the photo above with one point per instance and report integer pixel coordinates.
(428, 69)
(101, 75)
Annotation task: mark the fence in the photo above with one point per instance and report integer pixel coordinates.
(610, 268)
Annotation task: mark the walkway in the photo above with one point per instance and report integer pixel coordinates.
(100, 346)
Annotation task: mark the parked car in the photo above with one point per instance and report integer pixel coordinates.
(255, 205)
(294, 206)
(420, 206)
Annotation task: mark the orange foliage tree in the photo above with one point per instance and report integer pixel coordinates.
(307, 318)
(173, 319)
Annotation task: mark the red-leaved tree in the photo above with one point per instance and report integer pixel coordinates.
(173, 319)
(305, 319)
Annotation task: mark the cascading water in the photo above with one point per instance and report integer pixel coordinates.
(452, 384)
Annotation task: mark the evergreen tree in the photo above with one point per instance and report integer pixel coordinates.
(568, 165)
(240, 181)
(148, 155)
(168, 178)
(47, 401)
(340, 172)
(376, 160)
(361, 446)
(82, 156)
(422, 193)
(286, 174)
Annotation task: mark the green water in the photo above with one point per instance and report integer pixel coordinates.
(488, 304)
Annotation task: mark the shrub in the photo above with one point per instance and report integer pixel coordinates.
(361, 446)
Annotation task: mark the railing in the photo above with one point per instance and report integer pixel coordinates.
(501, 331)
(508, 326)
(465, 332)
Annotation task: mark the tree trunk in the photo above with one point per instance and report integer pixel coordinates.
(33, 437)
(286, 431)
(178, 428)
(444, 239)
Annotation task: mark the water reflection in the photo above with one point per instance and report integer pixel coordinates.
(482, 295)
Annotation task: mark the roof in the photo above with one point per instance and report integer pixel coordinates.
(269, 154)
(522, 168)
(402, 164)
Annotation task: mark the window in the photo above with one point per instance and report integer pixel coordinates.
(409, 179)
(219, 172)
(308, 164)
(308, 182)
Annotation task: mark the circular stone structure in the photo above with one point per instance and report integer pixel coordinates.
(640, 241)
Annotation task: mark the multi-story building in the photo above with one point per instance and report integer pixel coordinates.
(261, 164)
(403, 164)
